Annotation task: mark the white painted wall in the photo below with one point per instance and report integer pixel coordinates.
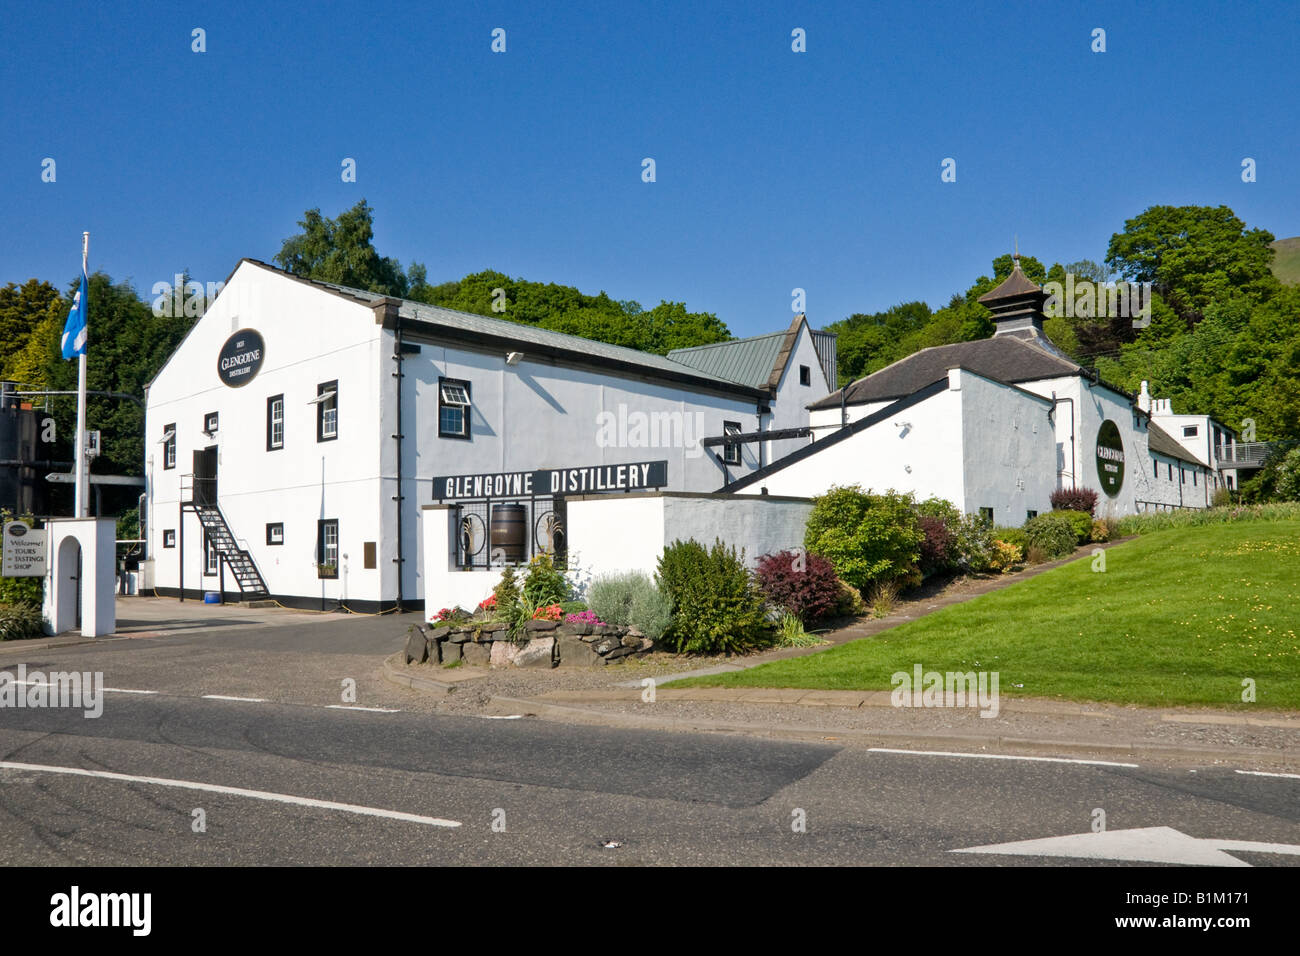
(1008, 446)
(790, 404)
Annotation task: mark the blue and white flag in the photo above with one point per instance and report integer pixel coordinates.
(74, 330)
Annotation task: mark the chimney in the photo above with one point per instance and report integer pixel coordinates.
(1144, 398)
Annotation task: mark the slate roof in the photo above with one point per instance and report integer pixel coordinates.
(1005, 358)
(757, 361)
(1163, 443)
(469, 326)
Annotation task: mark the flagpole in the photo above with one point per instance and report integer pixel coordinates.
(82, 498)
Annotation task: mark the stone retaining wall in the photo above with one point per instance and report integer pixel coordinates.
(548, 644)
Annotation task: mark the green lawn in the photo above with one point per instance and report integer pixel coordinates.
(1178, 617)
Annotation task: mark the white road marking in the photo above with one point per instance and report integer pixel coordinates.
(1144, 844)
(499, 717)
(1263, 773)
(372, 710)
(244, 700)
(946, 753)
(123, 690)
(235, 791)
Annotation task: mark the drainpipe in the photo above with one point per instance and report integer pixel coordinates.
(1073, 464)
(386, 317)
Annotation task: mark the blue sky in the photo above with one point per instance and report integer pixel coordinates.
(775, 169)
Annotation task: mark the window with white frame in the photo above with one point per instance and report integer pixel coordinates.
(327, 411)
(210, 557)
(453, 408)
(327, 548)
(169, 538)
(274, 422)
(169, 445)
(731, 450)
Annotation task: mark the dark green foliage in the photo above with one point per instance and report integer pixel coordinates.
(544, 584)
(717, 607)
(1053, 533)
(342, 251)
(868, 537)
(507, 592)
(20, 621)
(1081, 522)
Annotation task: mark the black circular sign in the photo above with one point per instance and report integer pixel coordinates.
(241, 357)
(1110, 458)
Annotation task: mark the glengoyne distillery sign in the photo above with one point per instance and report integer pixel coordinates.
(590, 479)
(1110, 458)
(240, 358)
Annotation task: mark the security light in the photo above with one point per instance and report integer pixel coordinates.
(514, 357)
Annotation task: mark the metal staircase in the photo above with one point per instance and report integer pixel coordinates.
(251, 585)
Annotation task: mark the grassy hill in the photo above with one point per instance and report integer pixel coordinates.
(1178, 617)
(1286, 263)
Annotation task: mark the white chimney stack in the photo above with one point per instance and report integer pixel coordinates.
(1144, 398)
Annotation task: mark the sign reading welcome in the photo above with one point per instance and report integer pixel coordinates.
(240, 358)
(1110, 458)
(592, 479)
(24, 551)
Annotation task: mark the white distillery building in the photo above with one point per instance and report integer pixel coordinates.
(995, 426)
(299, 431)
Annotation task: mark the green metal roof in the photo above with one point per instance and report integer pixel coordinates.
(746, 361)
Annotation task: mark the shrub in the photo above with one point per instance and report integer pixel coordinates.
(506, 594)
(1005, 556)
(884, 594)
(1014, 536)
(1101, 530)
(1074, 499)
(1053, 534)
(544, 584)
(799, 582)
(848, 602)
(1080, 523)
(611, 595)
(1222, 498)
(938, 546)
(867, 537)
(27, 592)
(651, 612)
(20, 621)
(975, 544)
(548, 612)
(1035, 555)
(717, 607)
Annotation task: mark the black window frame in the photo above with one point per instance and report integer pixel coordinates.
(1191, 431)
(467, 434)
(986, 514)
(1156, 462)
(271, 542)
(211, 422)
(805, 375)
(321, 389)
(169, 447)
(731, 449)
(321, 524)
(1030, 514)
(169, 535)
(270, 423)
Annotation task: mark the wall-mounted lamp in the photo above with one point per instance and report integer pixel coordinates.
(905, 426)
(513, 358)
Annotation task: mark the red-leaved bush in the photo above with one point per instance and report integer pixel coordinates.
(802, 583)
(938, 547)
(1074, 499)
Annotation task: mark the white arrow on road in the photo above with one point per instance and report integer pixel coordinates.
(1145, 844)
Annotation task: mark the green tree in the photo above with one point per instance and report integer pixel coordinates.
(342, 251)
(1193, 255)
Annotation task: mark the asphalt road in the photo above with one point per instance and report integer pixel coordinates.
(410, 787)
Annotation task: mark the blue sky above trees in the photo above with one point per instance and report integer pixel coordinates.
(775, 169)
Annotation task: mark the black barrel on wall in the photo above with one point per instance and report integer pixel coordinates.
(508, 533)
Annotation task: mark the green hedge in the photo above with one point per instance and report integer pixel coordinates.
(1054, 533)
(20, 621)
(717, 607)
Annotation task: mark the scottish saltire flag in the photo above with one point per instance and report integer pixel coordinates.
(74, 330)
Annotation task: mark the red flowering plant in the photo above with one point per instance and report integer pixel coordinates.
(445, 614)
(548, 612)
(489, 603)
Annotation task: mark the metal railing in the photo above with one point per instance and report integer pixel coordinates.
(1243, 453)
